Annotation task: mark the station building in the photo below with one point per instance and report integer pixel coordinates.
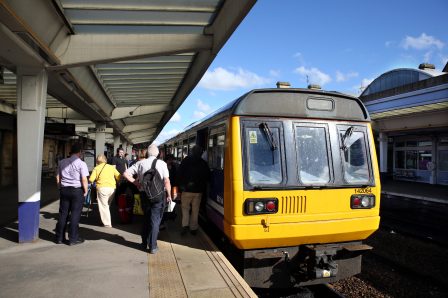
(409, 109)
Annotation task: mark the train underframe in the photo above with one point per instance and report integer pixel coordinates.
(302, 265)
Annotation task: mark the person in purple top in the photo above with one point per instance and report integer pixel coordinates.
(72, 182)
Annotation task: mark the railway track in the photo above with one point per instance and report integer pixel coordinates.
(416, 218)
(316, 291)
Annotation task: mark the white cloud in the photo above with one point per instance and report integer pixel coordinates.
(427, 57)
(315, 76)
(176, 117)
(364, 84)
(422, 42)
(341, 77)
(165, 135)
(202, 106)
(199, 114)
(274, 73)
(299, 58)
(223, 79)
(444, 60)
(389, 43)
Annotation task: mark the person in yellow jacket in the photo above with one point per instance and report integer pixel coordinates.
(106, 177)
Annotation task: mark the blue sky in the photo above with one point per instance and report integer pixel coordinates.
(341, 45)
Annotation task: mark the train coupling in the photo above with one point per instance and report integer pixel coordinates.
(322, 263)
(325, 267)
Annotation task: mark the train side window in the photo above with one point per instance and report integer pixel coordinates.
(179, 152)
(216, 151)
(355, 161)
(312, 151)
(191, 143)
(185, 148)
(264, 160)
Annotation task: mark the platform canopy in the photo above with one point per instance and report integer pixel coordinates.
(129, 64)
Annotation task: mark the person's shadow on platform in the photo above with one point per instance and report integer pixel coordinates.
(92, 235)
(10, 233)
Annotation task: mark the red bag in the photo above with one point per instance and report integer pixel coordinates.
(123, 209)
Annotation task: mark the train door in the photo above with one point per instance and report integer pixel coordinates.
(201, 141)
(215, 157)
(191, 143)
(201, 138)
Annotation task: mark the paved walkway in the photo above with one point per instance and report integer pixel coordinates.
(110, 263)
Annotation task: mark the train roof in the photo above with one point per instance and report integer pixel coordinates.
(292, 102)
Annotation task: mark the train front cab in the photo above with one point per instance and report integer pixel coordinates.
(300, 196)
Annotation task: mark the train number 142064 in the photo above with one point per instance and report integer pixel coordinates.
(363, 190)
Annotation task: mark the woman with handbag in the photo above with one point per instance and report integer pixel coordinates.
(105, 177)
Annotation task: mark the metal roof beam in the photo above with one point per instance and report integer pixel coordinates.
(125, 112)
(87, 81)
(14, 52)
(137, 127)
(64, 113)
(142, 140)
(88, 49)
(144, 133)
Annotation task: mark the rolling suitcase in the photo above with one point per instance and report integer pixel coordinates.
(124, 210)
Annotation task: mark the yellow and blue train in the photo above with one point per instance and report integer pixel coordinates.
(295, 186)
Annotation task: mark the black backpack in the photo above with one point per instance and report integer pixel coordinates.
(153, 184)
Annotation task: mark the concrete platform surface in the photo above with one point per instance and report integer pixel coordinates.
(110, 263)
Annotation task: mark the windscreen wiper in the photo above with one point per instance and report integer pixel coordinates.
(346, 137)
(267, 131)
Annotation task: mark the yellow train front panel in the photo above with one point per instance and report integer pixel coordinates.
(304, 216)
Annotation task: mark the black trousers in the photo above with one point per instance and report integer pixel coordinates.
(70, 206)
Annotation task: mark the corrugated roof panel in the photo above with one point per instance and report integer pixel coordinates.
(177, 5)
(137, 17)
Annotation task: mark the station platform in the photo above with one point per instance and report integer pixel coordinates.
(110, 263)
(415, 190)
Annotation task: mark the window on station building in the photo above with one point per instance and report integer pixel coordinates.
(411, 159)
(443, 141)
(424, 157)
(424, 143)
(443, 160)
(399, 159)
(413, 154)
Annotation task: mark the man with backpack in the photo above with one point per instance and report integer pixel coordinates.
(154, 185)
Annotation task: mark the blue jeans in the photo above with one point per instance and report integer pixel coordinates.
(70, 204)
(153, 211)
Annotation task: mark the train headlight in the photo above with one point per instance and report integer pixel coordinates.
(365, 201)
(261, 206)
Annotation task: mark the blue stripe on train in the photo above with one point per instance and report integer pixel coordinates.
(216, 194)
(217, 186)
